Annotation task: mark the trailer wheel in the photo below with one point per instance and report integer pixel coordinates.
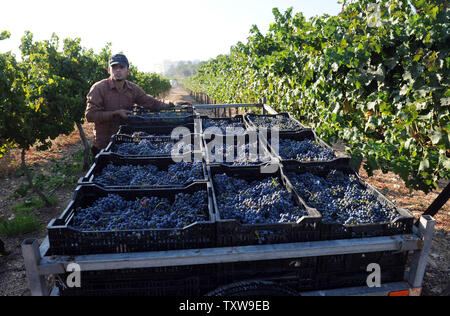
(253, 288)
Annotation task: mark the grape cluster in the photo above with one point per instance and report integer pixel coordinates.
(113, 213)
(225, 127)
(341, 198)
(258, 202)
(306, 150)
(245, 154)
(148, 175)
(144, 134)
(148, 147)
(278, 121)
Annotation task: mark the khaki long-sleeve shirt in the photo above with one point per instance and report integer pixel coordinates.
(104, 98)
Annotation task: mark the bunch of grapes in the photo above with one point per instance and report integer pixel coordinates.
(257, 202)
(306, 150)
(225, 127)
(148, 175)
(341, 198)
(279, 121)
(144, 134)
(113, 213)
(148, 147)
(245, 154)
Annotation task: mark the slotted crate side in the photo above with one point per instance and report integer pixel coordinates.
(162, 163)
(189, 280)
(66, 240)
(231, 232)
(351, 270)
(297, 274)
(329, 231)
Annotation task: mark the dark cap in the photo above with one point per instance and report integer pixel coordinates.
(119, 59)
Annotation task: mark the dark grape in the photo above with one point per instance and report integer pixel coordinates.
(149, 147)
(279, 121)
(341, 198)
(245, 154)
(306, 150)
(257, 202)
(225, 127)
(112, 213)
(147, 175)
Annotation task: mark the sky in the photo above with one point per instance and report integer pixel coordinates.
(149, 32)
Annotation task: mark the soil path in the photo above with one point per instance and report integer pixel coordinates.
(178, 93)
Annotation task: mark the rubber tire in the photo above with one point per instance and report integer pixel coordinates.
(253, 288)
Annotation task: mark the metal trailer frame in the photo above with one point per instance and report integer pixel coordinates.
(38, 264)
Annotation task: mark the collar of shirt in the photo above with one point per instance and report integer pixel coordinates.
(111, 84)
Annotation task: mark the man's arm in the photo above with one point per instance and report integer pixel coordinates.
(148, 101)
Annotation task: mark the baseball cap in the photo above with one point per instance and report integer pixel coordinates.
(119, 59)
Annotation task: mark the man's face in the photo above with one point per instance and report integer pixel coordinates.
(118, 72)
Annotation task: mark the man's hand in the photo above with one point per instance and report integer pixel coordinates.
(122, 114)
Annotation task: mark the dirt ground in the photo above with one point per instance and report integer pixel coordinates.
(13, 280)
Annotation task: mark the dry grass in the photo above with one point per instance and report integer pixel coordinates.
(60, 147)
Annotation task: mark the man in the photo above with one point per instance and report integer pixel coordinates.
(110, 100)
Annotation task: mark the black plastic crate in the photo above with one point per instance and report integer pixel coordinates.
(194, 139)
(296, 274)
(172, 117)
(341, 160)
(153, 130)
(256, 151)
(293, 274)
(340, 271)
(231, 232)
(66, 240)
(402, 224)
(104, 159)
(189, 280)
(250, 120)
(192, 280)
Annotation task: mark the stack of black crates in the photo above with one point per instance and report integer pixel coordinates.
(295, 274)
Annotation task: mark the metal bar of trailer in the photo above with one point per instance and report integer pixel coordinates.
(420, 258)
(32, 258)
(37, 265)
(58, 264)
